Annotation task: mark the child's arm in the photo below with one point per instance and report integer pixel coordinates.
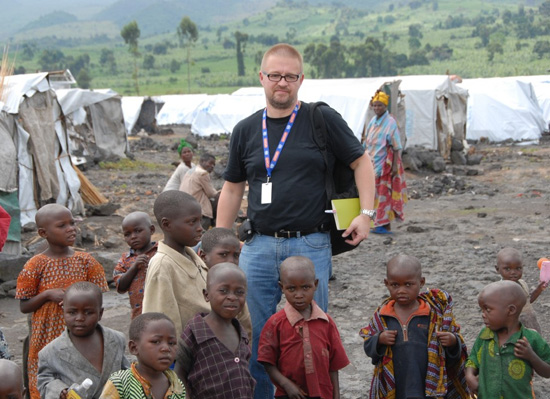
(292, 390)
(32, 304)
(472, 379)
(335, 384)
(523, 350)
(125, 279)
(537, 291)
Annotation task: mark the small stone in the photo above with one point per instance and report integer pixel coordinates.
(474, 159)
(11, 293)
(102, 210)
(415, 229)
(458, 158)
(482, 215)
(31, 226)
(438, 165)
(8, 285)
(112, 242)
(472, 172)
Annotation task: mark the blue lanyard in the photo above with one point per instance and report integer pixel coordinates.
(270, 165)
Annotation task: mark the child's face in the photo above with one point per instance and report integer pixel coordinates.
(137, 233)
(227, 250)
(510, 269)
(59, 229)
(185, 229)
(156, 347)
(226, 293)
(403, 284)
(82, 312)
(299, 286)
(493, 310)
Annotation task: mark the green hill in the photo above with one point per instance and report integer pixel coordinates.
(471, 38)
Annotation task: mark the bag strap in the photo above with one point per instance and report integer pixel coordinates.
(320, 135)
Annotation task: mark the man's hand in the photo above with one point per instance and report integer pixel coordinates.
(358, 229)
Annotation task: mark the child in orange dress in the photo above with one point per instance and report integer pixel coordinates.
(44, 278)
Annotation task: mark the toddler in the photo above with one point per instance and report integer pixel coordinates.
(86, 349)
(505, 353)
(129, 273)
(11, 380)
(300, 346)
(153, 341)
(413, 339)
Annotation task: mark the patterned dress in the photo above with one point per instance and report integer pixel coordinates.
(43, 273)
(381, 141)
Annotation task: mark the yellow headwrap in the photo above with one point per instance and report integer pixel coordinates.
(382, 97)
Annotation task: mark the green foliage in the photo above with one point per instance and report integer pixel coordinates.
(129, 165)
(83, 79)
(241, 39)
(149, 61)
(175, 66)
(51, 60)
(130, 33)
(51, 19)
(542, 48)
(107, 60)
(188, 35)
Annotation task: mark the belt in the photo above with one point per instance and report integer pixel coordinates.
(294, 234)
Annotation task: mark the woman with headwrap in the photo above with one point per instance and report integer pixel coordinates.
(186, 153)
(383, 145)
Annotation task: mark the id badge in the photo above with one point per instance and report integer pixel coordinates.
(266, 193)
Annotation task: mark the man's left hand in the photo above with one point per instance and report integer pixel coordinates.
(358, 230)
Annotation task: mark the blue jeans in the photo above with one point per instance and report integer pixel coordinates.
(260, 259)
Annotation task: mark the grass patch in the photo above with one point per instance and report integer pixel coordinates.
(126, 164)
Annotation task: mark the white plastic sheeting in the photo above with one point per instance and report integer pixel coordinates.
(541, 85)
(179, 109)
(131, 107)
(16, 89)
(501, 109)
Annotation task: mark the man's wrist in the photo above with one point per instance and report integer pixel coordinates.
(371, 213)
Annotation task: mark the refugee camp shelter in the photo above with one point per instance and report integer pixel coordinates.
(179, 109)
(140, 113)
(502, 108)
(95, 124)
(36, 166)
(541, 85)
(435, 111)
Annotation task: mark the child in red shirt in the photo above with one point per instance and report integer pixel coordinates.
(300, 346)
(130, 271)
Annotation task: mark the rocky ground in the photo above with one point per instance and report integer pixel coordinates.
(456, 222)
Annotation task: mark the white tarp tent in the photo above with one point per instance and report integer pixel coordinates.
(541, 84)
(350, 97)
(179, 109)
(131, 107)
(501, 109)
(38, 134)
(435, 111)
(95, 123)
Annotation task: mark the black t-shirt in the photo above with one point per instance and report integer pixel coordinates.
(298, 179)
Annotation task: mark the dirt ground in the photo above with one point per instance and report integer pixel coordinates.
(455, 224)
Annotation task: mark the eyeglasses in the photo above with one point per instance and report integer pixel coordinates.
(276, 77)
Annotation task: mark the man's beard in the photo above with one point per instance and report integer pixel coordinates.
(290, 102)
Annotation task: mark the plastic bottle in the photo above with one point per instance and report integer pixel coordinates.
(78, 391)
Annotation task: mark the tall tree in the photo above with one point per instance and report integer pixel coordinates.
(130, 33)
(188, 35)
(241, 39)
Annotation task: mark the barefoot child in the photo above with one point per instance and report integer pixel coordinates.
(414, 340)
(505, 353)
(11, 380)
(130, 271)
(214, 348)
(300, 346)
(510, 267)
(84, 350)
(219, 245)
(176, 276)
(153, 341)
(44, 278)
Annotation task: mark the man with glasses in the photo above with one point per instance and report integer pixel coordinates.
(275, 152)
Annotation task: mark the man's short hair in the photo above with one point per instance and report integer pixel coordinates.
(142, 321)
(284, 49)
(206, 157)
(86, 286)
(171, 204)
(212, 237)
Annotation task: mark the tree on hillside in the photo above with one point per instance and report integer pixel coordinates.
(373, 59)
(188, 35)
(241, 39)
(130, 33)
(107, 59)
(542, 48)
(327, 61)
(51, 60)
(84, 79)
(544, 8)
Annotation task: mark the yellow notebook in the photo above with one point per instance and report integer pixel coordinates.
(345, 210)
